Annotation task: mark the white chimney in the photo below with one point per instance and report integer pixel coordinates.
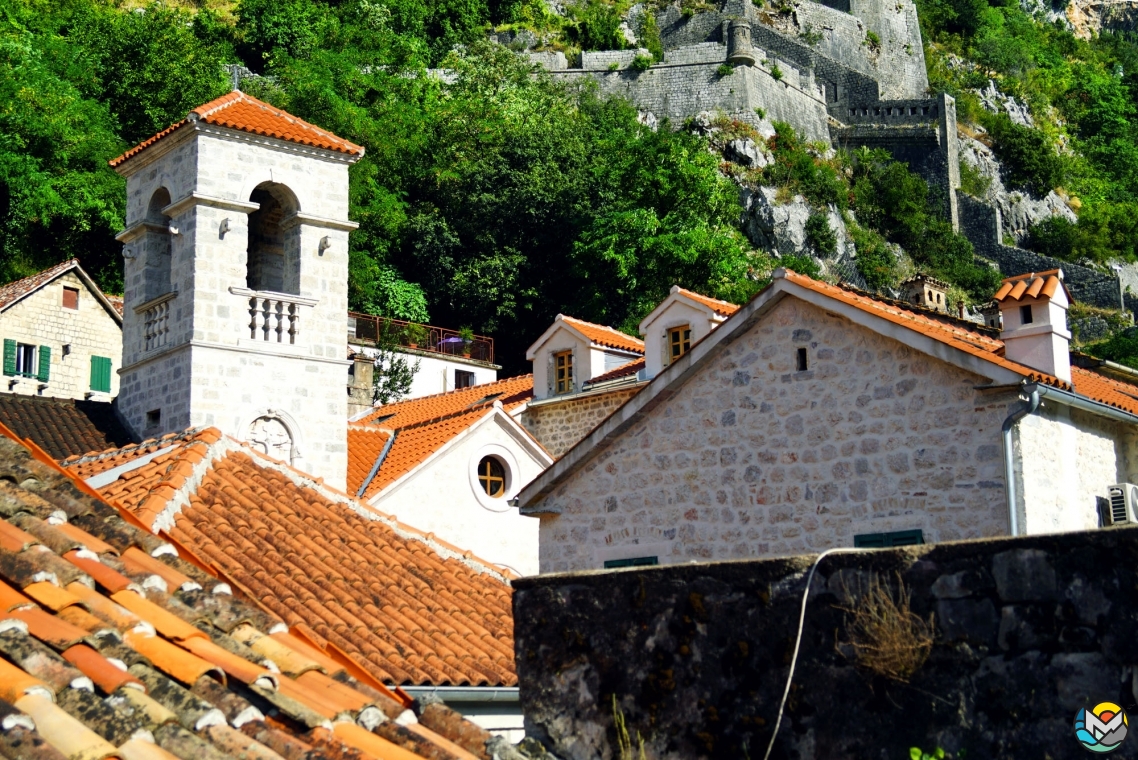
(1034, 311)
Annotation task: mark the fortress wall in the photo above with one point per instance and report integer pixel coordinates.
(679, 91)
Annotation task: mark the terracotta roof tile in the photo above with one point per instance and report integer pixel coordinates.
(236, 110)
(422, 426)
(164, 665)
(1031, 285)
(63, 427)
(722, 308)
(14, 291)
(603, 335)
(352, 581)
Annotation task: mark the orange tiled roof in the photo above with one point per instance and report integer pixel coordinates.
(604, 335)
(63, 426)
(244, 113)
(722, 308)
(409, 608)
(117, 643)
(623, 370)
(14, 291)
(1105, 389)
(116, 302)
(1030, 285)
(423, 426)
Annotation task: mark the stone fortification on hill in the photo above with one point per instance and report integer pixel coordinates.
(848, 73)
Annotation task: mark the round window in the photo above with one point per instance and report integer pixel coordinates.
(492, 477)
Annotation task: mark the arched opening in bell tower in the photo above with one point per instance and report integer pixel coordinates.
(273, 262)
(159, 248)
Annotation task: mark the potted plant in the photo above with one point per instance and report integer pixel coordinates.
(416, 334)
(467, 336)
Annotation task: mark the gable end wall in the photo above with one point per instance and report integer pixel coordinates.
(750, 458)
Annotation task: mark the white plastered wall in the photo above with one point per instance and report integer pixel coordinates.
(436, 374)
(39, 319)
(442, 497)
(655, 333)
(583, 360)
(1065, 459)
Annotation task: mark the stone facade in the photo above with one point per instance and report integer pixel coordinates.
(1028, 631)
(72, 335)
(559, 423)
(750, 457)
(222, 340)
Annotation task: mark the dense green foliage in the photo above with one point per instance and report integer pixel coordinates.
(888, 202)
(1082, 92)
(497, 200)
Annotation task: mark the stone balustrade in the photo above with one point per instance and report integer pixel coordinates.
(274, 317)
(156, 321)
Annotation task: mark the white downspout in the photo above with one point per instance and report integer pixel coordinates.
(1009, 457)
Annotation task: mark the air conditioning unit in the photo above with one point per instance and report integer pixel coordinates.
(1123, 508)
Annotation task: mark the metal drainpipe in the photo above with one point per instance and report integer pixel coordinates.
(1009, 453)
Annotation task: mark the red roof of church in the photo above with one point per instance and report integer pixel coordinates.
(242, 112)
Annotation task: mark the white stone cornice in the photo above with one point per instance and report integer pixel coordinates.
(135, 231)
(273, 296)
(275, 143)
(155, 301)
(318, 221)
(198, 199)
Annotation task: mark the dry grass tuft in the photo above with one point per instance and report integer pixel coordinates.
(622, 737)
(887, 638)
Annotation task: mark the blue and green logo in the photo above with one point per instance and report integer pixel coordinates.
(1102, 728)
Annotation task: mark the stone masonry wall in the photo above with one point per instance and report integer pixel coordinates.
(750, 458)
(559, 425)
(982, 224)
(41, 320)
(1027, 632)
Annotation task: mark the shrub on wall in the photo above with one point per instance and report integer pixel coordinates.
(820, 235)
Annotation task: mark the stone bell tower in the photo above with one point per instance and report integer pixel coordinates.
(236, 251)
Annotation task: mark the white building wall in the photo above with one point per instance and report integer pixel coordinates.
(583, 362)
(442, 498)
(1066, 458)
(211, 370)
(39, 319)
(436, 373)
(655, 333)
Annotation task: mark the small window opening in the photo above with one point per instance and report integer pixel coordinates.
(801, 360)
(939, 298)
(463, 379)
(71, 298)
(25, 360)
(154, 418)
(492, 477)
(563, 372)
(1025, 314)
(679, 341)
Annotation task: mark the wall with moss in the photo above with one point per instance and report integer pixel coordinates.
(1026, 632)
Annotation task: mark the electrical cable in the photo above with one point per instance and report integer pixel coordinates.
(798, 639)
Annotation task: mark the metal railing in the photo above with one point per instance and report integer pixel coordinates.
(439, 340)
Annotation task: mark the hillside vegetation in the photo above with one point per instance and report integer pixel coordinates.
(501, 198)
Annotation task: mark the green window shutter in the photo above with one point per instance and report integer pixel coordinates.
(101, 374)
(633, 562)
(886, 540)
(45, 364)
(9, 357)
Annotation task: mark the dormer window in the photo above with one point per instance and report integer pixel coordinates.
(679, 341)
(563, 372)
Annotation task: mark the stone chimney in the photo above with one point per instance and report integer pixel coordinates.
(926, 291)
(360, 393)
(1034, 311)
